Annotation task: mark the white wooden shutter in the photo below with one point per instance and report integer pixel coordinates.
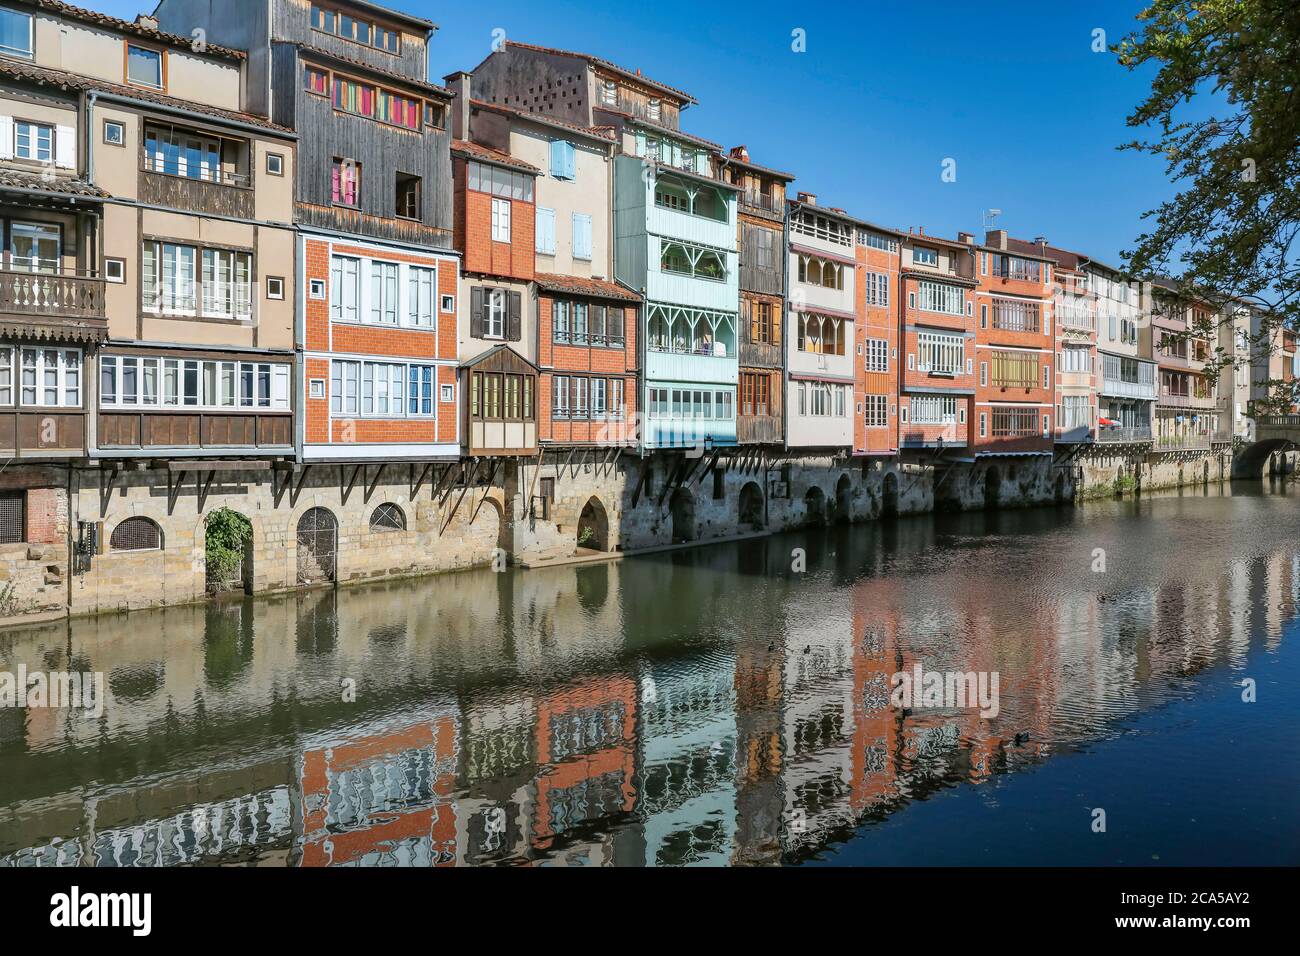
(6, 137)
(65, 147)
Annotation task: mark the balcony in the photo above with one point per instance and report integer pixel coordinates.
(1075, 317)
(1118, 388)
(218, 192)
(59, 297)
(1121, 434)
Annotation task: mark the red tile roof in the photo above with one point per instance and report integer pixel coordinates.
(59, 8)
(599, 61)
(63, 80)
(490, 155)
(597, 288)
(55, 185)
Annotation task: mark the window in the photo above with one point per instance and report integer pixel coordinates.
(678, 257)
(506, 183)
(1013, 369)
(316, 388)
(34, 141)
(609, 92)
(934, 410)
(764, 328)
(346, 182)
(275, 287)
(563, 160)
(13, 523)
(178, 153)
(822, 334)
(876, 411)
(1014, 267)
(315, 81)
(384, 305)
(34, 246)
(545, 231)
(494, 314)
(435, 115)
(136, 534)
(408, 196)
(222, 285)
(877, 288)
(940, 354)
(447, 394)
(115, 270)
(821, 272)
(448, 303)
(381, 389)
(133, 381)
(1016, 315)
(387, 517)
(275, 164)
(356, 29)
(652, 110)
(942, 298)
(877, 241)
(144, 66)
(923, 256)
(821, 399)
(877, 355)
(421, 285)
(114, 133)
(692, 403)
(345, 289)
(1014, 422)
(49, 377)
(15, 33)
(316, 288)
(501, 220)
(581, 236)
(755, 393)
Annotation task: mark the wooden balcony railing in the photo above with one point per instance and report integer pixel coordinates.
(58, 294)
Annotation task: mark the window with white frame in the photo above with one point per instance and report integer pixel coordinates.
(34, 141)
(877, 288)
(384, 305)
(877, 356)
(934, 409)
(939, 353)
(494, 314)
(191, 280)
(941, 297)
(345, 289)
(381, 389)
(924, 256)
(16, 33)
(422, 292)
(50, 377)
(1075, 360)
(876, 411)
(821, 399)
(135, 381)
(500, 220)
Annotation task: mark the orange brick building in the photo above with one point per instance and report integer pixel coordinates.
(876, 367)
(937, 316)
(378, 338)
(1015, 348)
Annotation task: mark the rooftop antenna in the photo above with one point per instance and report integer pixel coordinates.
(990, 217)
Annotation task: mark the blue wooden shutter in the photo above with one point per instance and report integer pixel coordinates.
(545, 230)
(570, 165)
(557, 158)
(581, 236)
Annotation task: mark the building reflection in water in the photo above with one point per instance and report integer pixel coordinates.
(705, 707)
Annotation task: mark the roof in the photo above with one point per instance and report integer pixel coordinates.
(726, 159)
(633, 75)
(660, 128)
(487, 354)
(59, 330)
(389, 13)
(54, 185)
(597, 288)
(596, 132)
(1063, 258)
(64, 80)
(59, 8)
(687, 174)
(489, 155)
(379, 71)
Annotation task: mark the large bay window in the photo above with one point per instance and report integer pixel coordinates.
(692, 403)
(191, 155)
(934, 410)
(822, 334)
(48, 377)
(140, 382)
(940, 354)
(941, 297)
(178, 278)
(691, 331)
(376, 292)
(822, 399)
(381, 389)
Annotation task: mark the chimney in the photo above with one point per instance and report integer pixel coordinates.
(808, 199)
(740, 153)
(1040, 240)
(145, 22)
(966, 237)
(459, 84)
(996, 238)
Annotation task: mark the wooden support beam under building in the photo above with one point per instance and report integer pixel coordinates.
(496, 464)
(374, 483)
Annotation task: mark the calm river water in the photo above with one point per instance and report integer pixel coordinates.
(710, 706)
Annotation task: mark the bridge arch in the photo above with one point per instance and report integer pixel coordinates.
(1251, 461)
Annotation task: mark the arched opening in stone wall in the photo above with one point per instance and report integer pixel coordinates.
(751, 507)
(593, 526)
(683, 515)
(814, 506)
(228, 551)
(843, 500)
(889, 495)
(318, 537)
(992, 486)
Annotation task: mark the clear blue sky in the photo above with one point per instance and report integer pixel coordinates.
(884, 93)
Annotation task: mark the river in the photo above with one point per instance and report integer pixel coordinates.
(728, 704)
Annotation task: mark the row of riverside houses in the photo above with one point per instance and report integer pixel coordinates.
(254, 258)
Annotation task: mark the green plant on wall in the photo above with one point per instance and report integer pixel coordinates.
(10, 603)
(226, 534)
(586, 535)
